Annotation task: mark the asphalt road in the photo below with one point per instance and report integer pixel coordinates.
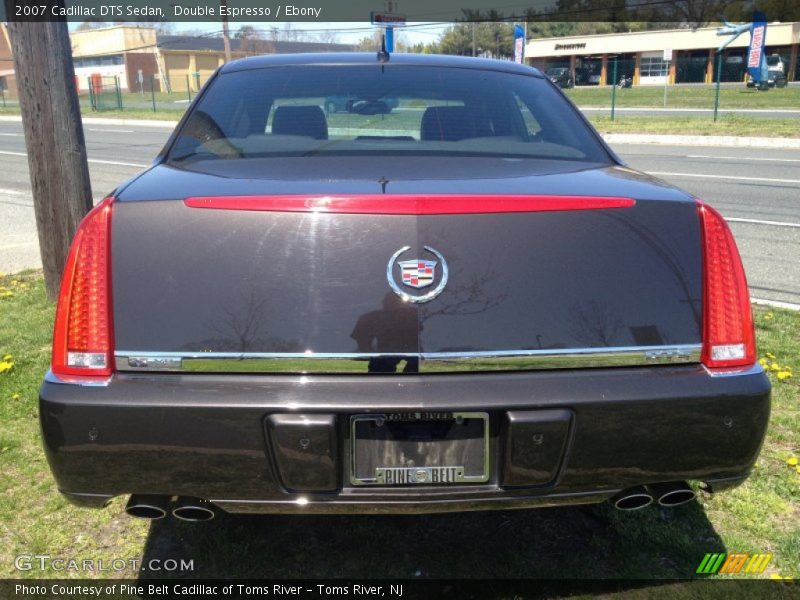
(758, 191)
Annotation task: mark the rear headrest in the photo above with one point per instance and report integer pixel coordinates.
(300, 120)
(446, 124)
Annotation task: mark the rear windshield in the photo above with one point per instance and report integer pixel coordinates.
(383, 109)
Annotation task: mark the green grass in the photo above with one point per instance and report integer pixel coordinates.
(136, 113)
(728, 124)
(701, 96)
(573, 542)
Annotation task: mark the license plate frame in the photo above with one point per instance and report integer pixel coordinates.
(476, 467)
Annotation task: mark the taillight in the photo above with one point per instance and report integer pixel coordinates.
(728, 336)
(83, 335)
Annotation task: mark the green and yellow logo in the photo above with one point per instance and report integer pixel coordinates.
(733, 563)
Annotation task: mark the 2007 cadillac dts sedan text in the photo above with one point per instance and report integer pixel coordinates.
(452, 296)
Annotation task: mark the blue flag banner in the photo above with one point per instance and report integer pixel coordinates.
(756, 60)
(519, 43)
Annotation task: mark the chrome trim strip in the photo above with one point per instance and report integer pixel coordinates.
(429, 362)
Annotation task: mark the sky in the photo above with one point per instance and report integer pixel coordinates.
(346, 32)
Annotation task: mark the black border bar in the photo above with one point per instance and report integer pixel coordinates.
(281, 11)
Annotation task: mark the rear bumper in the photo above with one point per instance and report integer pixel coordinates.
(206, 436)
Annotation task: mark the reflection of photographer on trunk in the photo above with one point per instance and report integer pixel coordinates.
(394, 329)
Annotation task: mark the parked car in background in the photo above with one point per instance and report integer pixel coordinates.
(561, 76)
(775, 78)
(334, 104)
(587, 75)
(777, 67)
(471, 305)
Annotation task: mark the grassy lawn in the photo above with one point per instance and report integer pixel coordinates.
(578, 542)
(701, 96)
(728, 124)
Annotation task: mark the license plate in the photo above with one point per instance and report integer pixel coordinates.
(423, 448)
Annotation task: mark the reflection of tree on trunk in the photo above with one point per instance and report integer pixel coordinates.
(241, 327)
(594, 324)
(468, 298)
(463, 299)
(243, 323)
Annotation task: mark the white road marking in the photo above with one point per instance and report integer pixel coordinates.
(744, 158)
(728, 177)
(115, 162)
(12, 134)
(113, 130)
(91, 160)
(760, 222)
(775, 303)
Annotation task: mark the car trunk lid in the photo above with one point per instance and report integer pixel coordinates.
(265, 280)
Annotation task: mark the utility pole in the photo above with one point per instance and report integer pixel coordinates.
(226, 38)
(51, 119)
(474, 53)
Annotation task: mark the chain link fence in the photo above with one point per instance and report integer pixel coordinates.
(104, 93)
(149, 93)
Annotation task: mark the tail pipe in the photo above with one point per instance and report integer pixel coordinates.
(632, 499)
(145, 506)
(672, 493)
(193, 509)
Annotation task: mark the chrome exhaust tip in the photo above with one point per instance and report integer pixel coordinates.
(632, 499)
(672, 493)
(144, 506)
(194, 510)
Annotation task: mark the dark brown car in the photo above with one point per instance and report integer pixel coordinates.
(464, 302)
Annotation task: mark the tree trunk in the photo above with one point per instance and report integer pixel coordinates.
(51, 119)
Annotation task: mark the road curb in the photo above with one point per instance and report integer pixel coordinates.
(775, 303)
(716, 141)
